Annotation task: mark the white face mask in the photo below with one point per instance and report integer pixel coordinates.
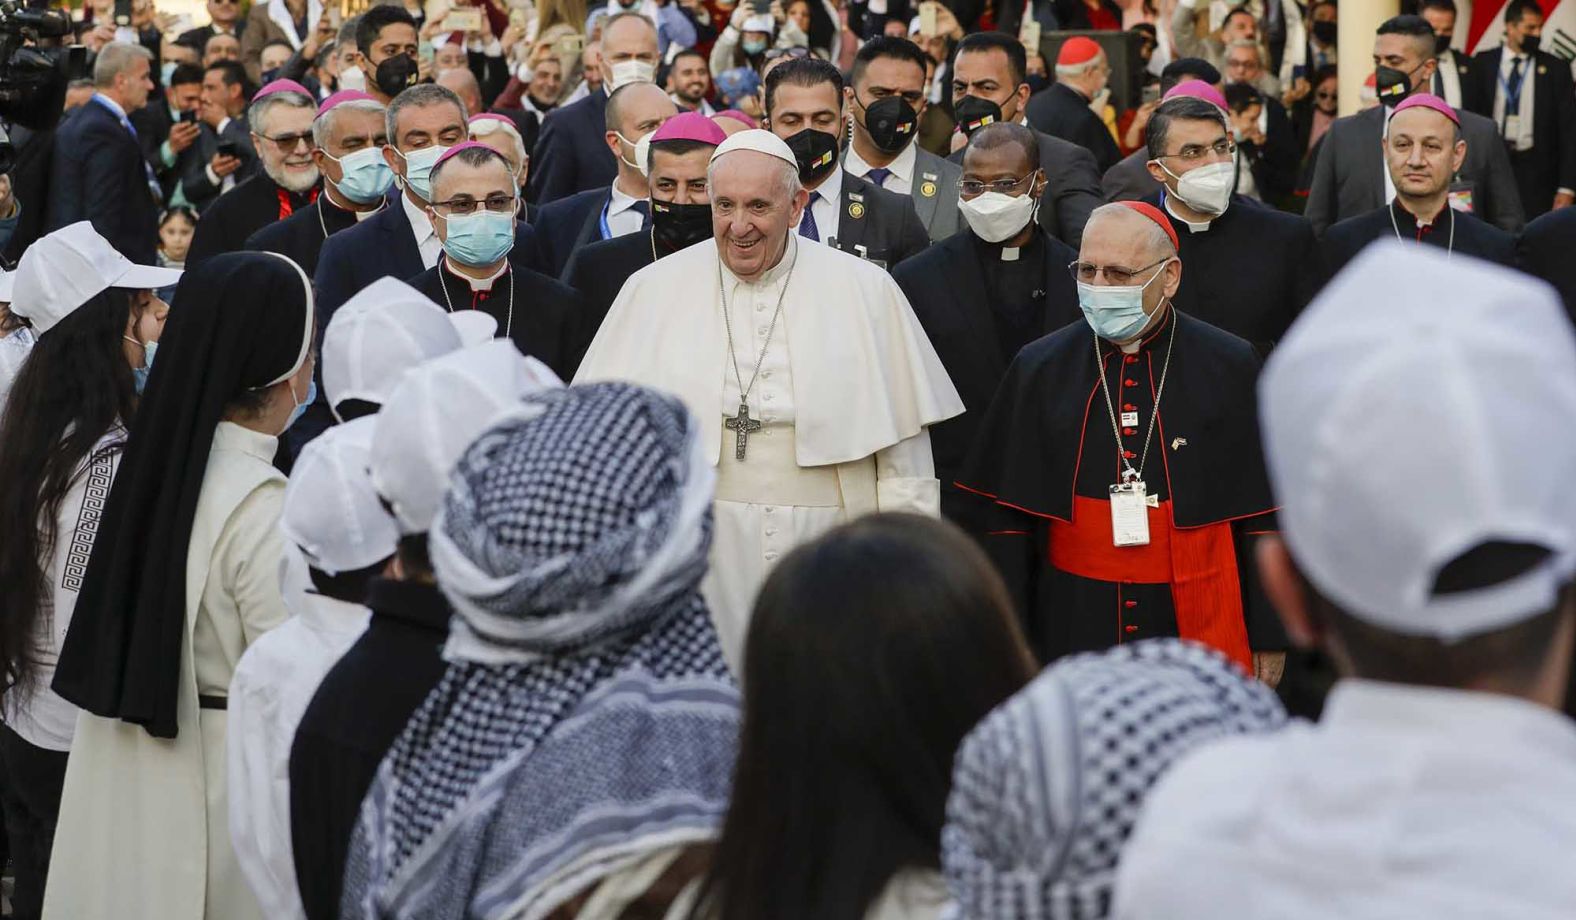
(626, 72)
(353, 78)
(1207, 188)
(642, 147)
(995, 217)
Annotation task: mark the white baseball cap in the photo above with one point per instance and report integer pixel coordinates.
(1420, 408)
(435, 412)
(331, 512)
(7, 283)
(386, 329)
(67, 268)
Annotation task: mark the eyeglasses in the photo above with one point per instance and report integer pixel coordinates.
(287, 143)
(1221, 148)
(464, 205)
(790, 53)
(972, 187)
(1086, 272)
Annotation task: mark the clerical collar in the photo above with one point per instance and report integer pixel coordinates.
(1423, 224)
(1143, 344)
(1192, 226)
(478, 285)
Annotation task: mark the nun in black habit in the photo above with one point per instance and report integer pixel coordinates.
(183, 577)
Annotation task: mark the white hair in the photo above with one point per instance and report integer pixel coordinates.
(1159, 243)
(484, 127)
(257, 113)
(1073, 70)
(114, 59)
(323, 126)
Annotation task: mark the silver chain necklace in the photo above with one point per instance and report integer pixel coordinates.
(509, 322)
(1130, 474)
(742, 425)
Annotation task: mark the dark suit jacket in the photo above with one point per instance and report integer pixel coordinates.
(1129, 180)
(571, 152)
(598, 272)
(1072, 187)
(380, 246)
(301, 235)
(1473, 237)
(1463, 65)
(98, 174)
(197, 38)
(199, 191)
(1063, 112)
(153, 124)
(237, 214)
(945, 284)
(565, 225)
(1275, 164)
(877, 225)
(1546, 249)
(547, 323)
(1551, 163)
(1348, 177)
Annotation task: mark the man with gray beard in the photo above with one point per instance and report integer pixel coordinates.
(280, 119)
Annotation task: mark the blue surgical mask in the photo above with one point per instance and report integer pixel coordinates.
(300, 407)
(139, 375)
(367, 176)
(1116, 312)
(754, 46)
(418, 169)
(479, 239)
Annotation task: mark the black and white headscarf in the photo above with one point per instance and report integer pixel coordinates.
(587, 715)
(1046, 788)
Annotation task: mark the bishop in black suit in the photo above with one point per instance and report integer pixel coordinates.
(540, 315)
(301, 235)
(981, 302)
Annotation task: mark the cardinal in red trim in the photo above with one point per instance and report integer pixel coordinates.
(1140, 392)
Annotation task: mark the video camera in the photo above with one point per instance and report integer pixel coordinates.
(35, 68)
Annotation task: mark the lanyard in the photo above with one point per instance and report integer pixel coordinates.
(1513, 97)
(607, 231)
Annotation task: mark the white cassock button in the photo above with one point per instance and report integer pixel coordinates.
(770, 509)
(766, 375)
(771, 531)
(770, 557)
(760, 307)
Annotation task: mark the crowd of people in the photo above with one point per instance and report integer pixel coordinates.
(508, 460)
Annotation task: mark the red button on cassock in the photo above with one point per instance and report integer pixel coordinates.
(1128, 454)
(1132, 359)
(1129, 407)
(1129, 431)
(1130, 382)
(1132, 604)
(1131, 629)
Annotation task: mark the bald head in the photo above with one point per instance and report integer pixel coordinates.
(461, 82)
(1147, 241)
(629, 36)
(636, 105)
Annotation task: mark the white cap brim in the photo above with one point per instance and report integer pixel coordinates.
(147, 278)
(7, 284)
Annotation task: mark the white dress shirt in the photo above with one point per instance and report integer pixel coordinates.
(1522, 138)
(427, 241)
(824, 208)
(1449, 78)
(902, 178)
(1402, 802)
(621, 215)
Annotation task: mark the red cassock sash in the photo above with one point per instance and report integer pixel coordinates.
(1199, 563)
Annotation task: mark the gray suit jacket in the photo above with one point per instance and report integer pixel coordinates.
(1072, 187)
(1129, 179)
(938, 210)
(1348, 177)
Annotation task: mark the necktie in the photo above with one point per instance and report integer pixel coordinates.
(807, 228)
(644, 207)
(878, 176)
(1512, 95)
(153, 179)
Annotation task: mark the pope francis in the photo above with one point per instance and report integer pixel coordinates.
(816, 381)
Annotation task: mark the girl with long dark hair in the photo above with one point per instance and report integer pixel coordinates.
(60, 440)
(871, 653)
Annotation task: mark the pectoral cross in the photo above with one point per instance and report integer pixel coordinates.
(742, 426)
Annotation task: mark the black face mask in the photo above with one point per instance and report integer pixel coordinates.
(974, 113)
(1037, 82)
(396, 74)
(1392, 85)
(675, 226)
(1530, 43)
(269, 75)
(816, 153)
(1441, 44)
(891, 122)
(1324, 31)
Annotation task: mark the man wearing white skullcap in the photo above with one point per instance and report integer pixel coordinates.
(1428, 548)
(426, 423)
(815, 386)
(338, 536)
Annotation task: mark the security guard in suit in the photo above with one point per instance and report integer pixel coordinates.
(804, 107)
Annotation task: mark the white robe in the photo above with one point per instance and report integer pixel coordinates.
(848, 375)
(144, 822)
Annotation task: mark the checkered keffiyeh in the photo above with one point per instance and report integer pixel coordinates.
(1046, 789)
(572, 543)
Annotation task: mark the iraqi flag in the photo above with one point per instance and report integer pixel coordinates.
(1487, 26)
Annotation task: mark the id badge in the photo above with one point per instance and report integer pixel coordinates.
(1512, 129)
(1129, 514)
(1129, 419)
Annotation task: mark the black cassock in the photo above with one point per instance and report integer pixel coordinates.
(242, 211)
(540, 315)
(598, 272)
(1472, 235)
(1047, 456)
(301, 235)
(979, 310)
(1250, 272)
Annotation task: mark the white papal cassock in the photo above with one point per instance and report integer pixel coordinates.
(847, 387)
